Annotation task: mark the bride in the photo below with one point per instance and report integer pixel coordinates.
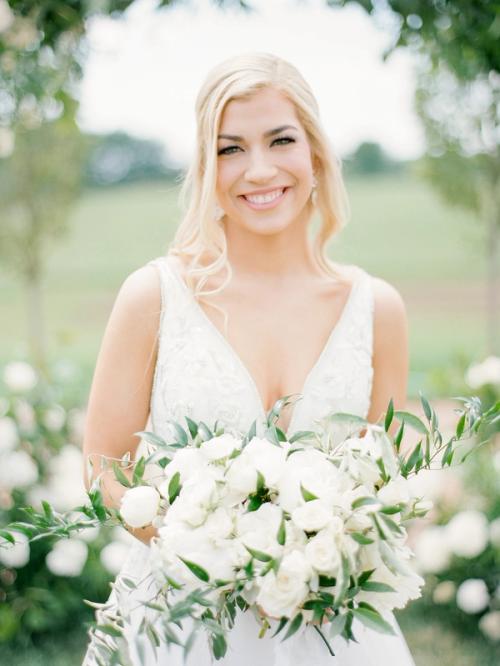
(246, 308)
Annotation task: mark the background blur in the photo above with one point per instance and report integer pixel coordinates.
(96, 127)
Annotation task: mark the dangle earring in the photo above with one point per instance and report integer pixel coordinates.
(314, 193)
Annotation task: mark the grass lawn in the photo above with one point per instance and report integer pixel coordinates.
(399, 230)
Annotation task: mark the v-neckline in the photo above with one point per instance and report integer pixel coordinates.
(246, 372)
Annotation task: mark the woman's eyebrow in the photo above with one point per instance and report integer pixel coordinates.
(276, 130)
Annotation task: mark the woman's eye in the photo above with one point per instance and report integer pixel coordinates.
(229, 149)
(288, 139)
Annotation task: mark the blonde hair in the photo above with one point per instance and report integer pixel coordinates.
(200, 232)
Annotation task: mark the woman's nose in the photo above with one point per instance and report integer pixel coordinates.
(260, 168)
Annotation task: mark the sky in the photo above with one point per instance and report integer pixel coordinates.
(143, 71)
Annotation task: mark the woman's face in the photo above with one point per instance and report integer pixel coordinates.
(264, 163)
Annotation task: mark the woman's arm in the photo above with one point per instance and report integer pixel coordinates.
(390, 353)
(120, 394)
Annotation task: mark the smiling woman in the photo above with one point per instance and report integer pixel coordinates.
(300, 324)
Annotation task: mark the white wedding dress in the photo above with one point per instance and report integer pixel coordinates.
(199, 374)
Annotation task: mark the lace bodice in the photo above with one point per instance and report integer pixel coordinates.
(199, 374)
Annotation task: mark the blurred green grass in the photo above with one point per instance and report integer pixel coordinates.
(399, 230)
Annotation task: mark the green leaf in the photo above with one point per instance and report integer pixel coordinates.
(365, 576)
(343, 581)
(337, 625)
(373, 620)
(182, 437)
(204, 431)
(219, 646)
(306, 494)
(198, 571)
(258, 554)
(192, 426)
(293, 626)
(280, 626)
(281, 536)
(174, 487)
(48, 511)
(342, 417)
(327, 581)
(460, 426)
(261, 482)
(120, 476)
(426, 406)
(412, 420)
(414, 457)
(389, 415)
(139, 468)
(399, 436)
(8, 536)
(374, 586)
(301, 434)
(360, 538)
(109, 629)
(364, 501)
(152, 635)
(151, 438)
(254, 503)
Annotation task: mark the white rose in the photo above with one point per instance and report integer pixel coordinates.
(323, 554)
(259, 529)
(494, 531)
(219, 447)
(490, 625)
(19, 376)
(219, 524)
(139, 506)
(472, 595)
(25, 415)
(312, 470)
(283, 593)
(312, 516)
(54, 418)
(197, 497)
(9, 437)
(267, 458)
(444, 592)
(66, 483)
(432, 550)
(395, 491)
(487, 372)
(6, 16)
(17, 470)
(241, 480)
(15, 555)
(67, 557)
(113, 556)
(467, 533)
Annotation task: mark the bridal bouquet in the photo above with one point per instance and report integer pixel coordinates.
(306, 530)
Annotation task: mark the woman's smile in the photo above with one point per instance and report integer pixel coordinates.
(265, 201)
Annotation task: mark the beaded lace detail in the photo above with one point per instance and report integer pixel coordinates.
(199, 374)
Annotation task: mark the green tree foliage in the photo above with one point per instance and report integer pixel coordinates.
(370, 158)
(120, 158)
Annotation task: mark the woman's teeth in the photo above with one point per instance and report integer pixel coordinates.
(264, 198)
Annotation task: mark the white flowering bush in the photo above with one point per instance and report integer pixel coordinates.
(458, 548)
(309, 530)
(42, 582)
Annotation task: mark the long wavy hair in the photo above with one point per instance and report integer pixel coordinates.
(200, 232)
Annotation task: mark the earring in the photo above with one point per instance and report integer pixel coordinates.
(219, 212)
(314, 193)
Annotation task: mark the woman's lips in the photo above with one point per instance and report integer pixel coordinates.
(267, 205)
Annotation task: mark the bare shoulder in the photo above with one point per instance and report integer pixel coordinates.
(140, 294)
(390, 320)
